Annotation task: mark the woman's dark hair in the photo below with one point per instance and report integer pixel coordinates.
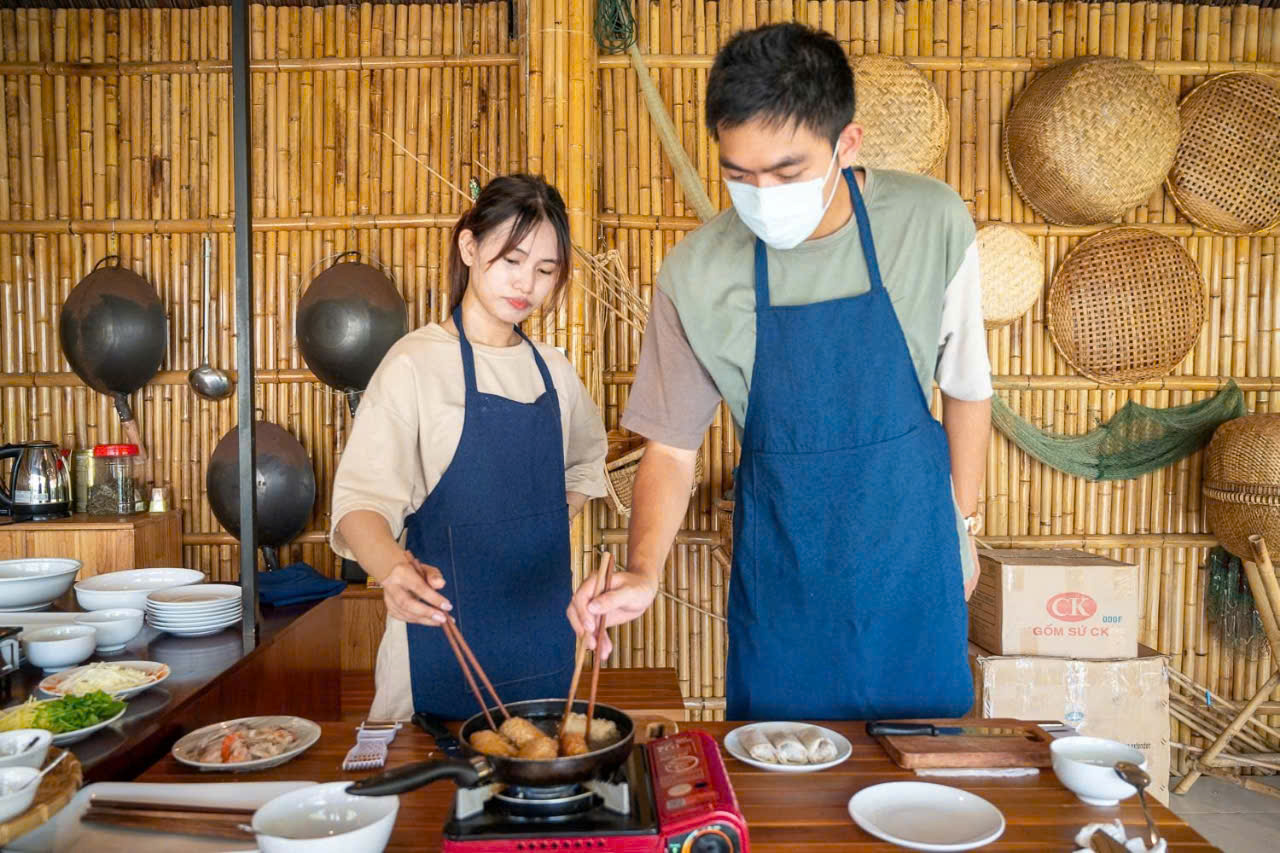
(784, 74)
(524, 200)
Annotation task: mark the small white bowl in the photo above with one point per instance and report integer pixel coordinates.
(115, 627)
(1087, 766)
(59, 646)
(16, 794)
(130, 588)
(12, 753)
(325, 819)
(33, 583)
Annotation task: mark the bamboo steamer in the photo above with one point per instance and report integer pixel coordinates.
(1090, 138)
(1242, 482)
(904, 120)
(1012, 273)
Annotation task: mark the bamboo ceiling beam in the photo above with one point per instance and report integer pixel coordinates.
(1011, 64)
(299, 65)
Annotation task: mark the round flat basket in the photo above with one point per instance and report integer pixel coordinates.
(1242, 483)
(905, 123)
(1012, 273)
(56, 790)
(1090, 138)
(1126, 305)
(620, 478)
(1226, 175)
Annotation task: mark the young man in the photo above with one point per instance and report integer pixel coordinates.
(821, 309)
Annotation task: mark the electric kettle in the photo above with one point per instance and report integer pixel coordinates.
(39, 486)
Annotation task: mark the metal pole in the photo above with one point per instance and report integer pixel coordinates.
(244, 318)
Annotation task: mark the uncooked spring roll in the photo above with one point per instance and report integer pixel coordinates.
(790, 750)
(758, 746)
(817, 746)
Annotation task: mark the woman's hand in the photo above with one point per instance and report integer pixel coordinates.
(410, 593)
(628, 595)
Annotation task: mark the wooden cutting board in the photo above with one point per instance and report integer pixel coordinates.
(965, 751)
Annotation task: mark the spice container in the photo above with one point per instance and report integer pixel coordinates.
(81, 478)
(114, 489)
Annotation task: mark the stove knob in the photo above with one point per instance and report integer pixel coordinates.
(710, 840)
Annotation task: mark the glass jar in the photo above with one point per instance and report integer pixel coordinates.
(81, 478)
(115, 480)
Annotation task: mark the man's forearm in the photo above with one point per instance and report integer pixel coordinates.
(968, 427)
(659, 499)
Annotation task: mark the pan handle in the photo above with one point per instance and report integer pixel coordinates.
(337, 260)
(104, 259)
(410, 777)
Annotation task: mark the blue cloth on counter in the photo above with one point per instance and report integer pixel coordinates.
(295, 584)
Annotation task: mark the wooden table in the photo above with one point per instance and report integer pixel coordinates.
(801, 813)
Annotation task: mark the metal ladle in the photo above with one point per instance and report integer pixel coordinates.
(207, 381)
(1140, 779)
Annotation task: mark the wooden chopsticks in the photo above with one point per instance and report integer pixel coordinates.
(209, 821)
(601, 584)
(465, 656)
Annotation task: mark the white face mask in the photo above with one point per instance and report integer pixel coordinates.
(783, 216)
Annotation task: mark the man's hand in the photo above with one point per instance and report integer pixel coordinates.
(410, 592)
(628, 595)
(972, 583)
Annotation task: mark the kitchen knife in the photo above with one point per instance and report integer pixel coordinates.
(884, 729)
(444, 739)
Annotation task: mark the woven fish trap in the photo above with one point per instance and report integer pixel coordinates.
(1126, 305)
(1012, 273)
(1089, 139)
(1226, 175)
(620, 479)
(905, 123)
(1242, 482)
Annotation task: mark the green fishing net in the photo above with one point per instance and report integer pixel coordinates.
(1229, 603)
(1137, 440)
(615, 27)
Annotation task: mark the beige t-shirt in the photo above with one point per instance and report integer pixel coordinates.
(405, 434)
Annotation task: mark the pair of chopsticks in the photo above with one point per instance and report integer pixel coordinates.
(209, 821)
(601, 584)
(465, 656)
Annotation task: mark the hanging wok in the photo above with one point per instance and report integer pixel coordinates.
(113, 333)
(285, 486)
(478, 767)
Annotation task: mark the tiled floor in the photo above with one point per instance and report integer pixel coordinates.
(1236, 820)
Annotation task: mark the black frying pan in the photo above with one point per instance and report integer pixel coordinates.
(545, 714)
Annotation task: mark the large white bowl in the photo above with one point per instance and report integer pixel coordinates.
(30, 584)
(130, 588)
(1087, 766)
(59, 646)
(115, 627)
(14, 804)
(12, 753)
(325, 819)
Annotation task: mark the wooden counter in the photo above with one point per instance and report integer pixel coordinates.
(786, 813)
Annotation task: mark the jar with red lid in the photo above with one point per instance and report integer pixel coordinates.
(115, 480)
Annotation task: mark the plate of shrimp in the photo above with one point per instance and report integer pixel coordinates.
(519, 737)
(249, 743)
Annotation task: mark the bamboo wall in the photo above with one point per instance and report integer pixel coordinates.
(117, 140)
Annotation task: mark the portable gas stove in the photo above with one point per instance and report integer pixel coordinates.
(671, 795)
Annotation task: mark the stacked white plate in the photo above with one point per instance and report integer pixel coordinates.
(194, 611)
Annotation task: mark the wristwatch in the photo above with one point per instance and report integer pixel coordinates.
(973, 523)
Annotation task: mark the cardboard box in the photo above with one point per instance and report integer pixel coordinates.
(1056, 603)
(1124, 700)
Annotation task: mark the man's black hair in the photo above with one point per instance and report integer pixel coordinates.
(784, 74)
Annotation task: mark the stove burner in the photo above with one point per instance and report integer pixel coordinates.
(535, 792)
(544, 803)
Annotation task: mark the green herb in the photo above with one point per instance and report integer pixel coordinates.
(77, 712)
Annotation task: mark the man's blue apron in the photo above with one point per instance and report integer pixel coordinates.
(846, 599)
(497, 527)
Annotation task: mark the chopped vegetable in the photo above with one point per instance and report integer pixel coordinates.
(62, 715)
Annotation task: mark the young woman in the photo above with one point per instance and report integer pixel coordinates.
(472, 450)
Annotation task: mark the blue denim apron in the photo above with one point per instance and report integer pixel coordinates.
(497, 528)
(846, 599)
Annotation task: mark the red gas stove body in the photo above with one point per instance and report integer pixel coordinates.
(682, 803)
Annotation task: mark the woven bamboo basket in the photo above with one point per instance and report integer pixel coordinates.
(1226, 175)
(1090, 138)
(56, 790)
(1126, 305)
(1012, 273)
(621, 477)
(1242, 482)
(904, 120)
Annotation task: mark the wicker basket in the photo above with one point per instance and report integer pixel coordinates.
(1226, 175)
(1090, 138)
(1126, 305)
(56, 790)
(1012, 273)
(905, 123)
(620, 478)
(1242, 482)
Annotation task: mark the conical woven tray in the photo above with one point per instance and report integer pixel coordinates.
(1126, 305)
(55, 791)
(1226, 175)
(1242, 482)
(1012, 273)
(904, 121)
(1090, 138)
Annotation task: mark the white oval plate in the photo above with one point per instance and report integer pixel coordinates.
(191, 745)
(133, 580)
(80, 734)
(192, 617)
(210, 622)
(205, 593)
(733, 744)
(158, 672)
(152, 607)
(924, 816)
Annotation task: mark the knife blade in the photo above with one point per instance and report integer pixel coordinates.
(885, 729)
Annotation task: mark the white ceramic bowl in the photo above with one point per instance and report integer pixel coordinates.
(325, 819)
(31, 584)
(115, 627)
(17, 802)
(130, 588)
(59, 646)
(12, 753)
(1087, 766)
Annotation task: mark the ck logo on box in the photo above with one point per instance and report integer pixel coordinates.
(1071, 606)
